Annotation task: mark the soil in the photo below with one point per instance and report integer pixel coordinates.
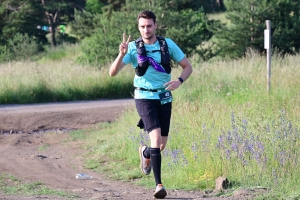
(26, 128)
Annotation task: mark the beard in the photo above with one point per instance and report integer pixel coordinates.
(148, 36)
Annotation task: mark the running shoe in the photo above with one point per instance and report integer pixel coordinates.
(160, 192)
(145, 163)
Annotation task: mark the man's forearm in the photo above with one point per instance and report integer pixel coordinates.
(116, 65)
(186, 72)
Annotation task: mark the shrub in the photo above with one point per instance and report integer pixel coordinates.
(23, 47)
(4, 54)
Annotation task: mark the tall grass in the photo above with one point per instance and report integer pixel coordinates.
(224, 123)
(51, 81)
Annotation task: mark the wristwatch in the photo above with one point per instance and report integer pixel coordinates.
(180, 79)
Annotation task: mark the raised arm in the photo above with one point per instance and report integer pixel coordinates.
(117, 65)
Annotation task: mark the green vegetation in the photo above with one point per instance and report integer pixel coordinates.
(102, 34)
(9, 184)
(247, 23)
(214, 29)
(224, 123)
(52, 80)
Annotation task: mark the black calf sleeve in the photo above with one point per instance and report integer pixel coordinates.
(156, 164)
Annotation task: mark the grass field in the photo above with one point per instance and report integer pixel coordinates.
(224, 121)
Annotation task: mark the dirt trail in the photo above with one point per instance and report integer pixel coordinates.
(70, 115)
(25, 129)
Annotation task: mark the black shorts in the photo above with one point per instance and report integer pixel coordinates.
(154, 115)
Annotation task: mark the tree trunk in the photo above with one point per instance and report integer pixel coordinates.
(251, 20)
(53, 39)
(219, 5)
(51, 18)
(52, 24)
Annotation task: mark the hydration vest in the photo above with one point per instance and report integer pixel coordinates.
(141, 69)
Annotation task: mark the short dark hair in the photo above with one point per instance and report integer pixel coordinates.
(147, 14)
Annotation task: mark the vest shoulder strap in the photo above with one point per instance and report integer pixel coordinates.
(138, 40)
(161, 40)
(139, 43)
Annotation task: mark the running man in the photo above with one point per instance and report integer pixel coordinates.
(151, 57)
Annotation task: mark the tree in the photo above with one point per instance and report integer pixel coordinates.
(102, 46)
(84, 24)
(21, 17)
(113, 5)
(247, 23)
(209, 6)
(2, 17)
(57, 12)
(19, 36)
(24, 16)
(187, 28)
(95, 6)
(285, 20)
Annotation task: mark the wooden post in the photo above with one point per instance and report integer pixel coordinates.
(267, 35)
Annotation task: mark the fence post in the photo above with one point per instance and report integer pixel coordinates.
(267, 38)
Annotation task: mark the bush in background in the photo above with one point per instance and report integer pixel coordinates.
(5, 54)
(23, 47)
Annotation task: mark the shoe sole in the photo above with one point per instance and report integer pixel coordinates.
(160, 194)
(141, 160)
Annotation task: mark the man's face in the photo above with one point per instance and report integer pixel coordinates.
(147, 28)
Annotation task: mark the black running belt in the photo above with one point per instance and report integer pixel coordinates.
(144, 89)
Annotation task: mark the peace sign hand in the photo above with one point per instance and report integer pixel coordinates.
(124, 45)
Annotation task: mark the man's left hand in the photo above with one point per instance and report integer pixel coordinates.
(172, 85)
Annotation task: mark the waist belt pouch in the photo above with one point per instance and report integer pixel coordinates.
(141, 124)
